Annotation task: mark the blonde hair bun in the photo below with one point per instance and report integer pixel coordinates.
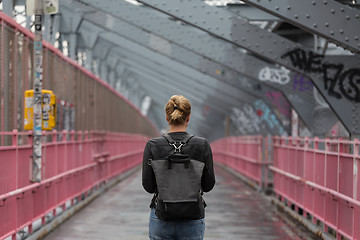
(177, 109)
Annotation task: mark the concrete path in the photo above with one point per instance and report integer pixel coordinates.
(234, 212)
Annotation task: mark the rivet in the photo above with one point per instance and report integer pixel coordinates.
(315, 25)
(347, 39)
(296, 16)
(357, 16)
(359, 45)
(356, 38)
(326, 24)
(288, 7)
(325, 2)
(277, 8)
(347, 17)
(342, 9)
(332, 11)
(256, 45)
(341, 31)
(243, 38)
(307, 16)
(313, 2)
(332, 32)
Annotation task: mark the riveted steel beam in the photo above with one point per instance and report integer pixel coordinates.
(195, 80)
(144, 60)
(251, 13)
(267, 124)
(332, 20)
(337, 83)
(173, 75)
(214, 56)
(175, 33)
(243, 94)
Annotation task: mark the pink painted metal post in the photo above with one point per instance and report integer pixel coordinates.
(21, 203)
(244, 155)
(325, 180)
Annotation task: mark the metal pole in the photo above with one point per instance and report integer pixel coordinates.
(38, 58)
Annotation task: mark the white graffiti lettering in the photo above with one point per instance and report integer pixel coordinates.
(275, 75)
(245, 120)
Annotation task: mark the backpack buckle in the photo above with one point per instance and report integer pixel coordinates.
(177, 148)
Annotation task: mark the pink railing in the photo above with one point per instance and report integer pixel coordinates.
(323, 181)
(244, 155)
(73, 164)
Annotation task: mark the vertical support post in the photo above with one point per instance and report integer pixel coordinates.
(2, 82)
(38, 58)
(263, 150)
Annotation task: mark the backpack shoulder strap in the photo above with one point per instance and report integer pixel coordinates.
(171, 141)
(187, 138)
(168, 138)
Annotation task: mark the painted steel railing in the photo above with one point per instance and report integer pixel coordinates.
(246, 155)
(73, 164)
(320, 177)
(95, 104)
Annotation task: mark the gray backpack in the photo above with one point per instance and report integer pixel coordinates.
(178, 180)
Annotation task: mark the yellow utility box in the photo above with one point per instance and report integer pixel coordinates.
(48, 106)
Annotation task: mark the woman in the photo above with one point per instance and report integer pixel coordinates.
(178, 110)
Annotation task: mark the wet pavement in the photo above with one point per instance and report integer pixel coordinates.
(235, 211)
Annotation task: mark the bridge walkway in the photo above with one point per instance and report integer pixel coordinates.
(235, 211)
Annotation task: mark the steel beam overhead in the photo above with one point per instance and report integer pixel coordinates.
(144, 62)
(194, 79)
(215, 55)
(330, 19)
(175, 33)
(337, 83)
(251, 13)
(265, 127)
(173, 75)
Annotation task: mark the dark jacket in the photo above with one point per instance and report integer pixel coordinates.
(158, 148)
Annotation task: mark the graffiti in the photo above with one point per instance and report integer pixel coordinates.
(280, 102)
(337, 82)
(268, 117)
(302, 83)
(275, 75)
(245, 120)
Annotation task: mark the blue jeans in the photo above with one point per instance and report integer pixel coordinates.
(175, 230)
